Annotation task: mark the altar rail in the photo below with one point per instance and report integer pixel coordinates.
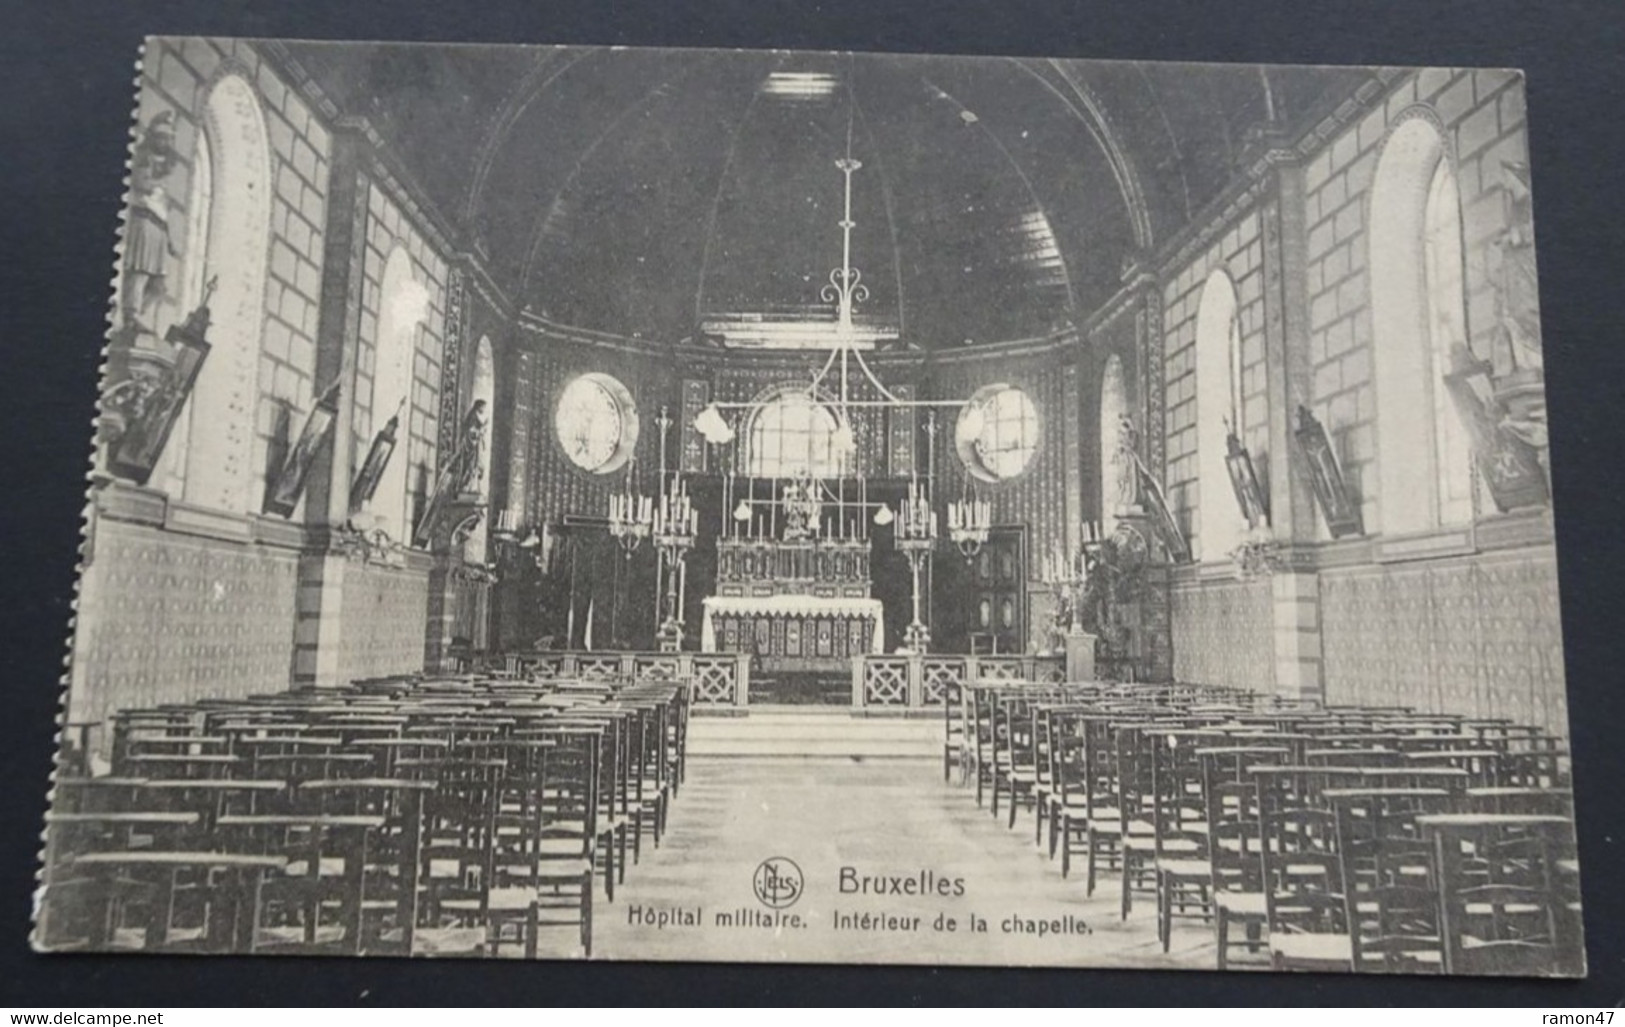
(923, 680)
(718, 679)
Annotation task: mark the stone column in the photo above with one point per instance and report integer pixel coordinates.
(1154, 645)
(319, 630)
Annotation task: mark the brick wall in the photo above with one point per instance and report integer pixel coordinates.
(1469, 633)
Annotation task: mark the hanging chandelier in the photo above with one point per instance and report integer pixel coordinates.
(834, 384)
(970, 521)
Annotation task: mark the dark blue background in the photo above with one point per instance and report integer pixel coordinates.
(66, 88)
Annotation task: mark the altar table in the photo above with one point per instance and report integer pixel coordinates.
(794, 632)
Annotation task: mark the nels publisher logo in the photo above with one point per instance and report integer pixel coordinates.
(777, 882)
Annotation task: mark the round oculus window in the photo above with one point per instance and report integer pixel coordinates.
(997, 433)
(596, 423)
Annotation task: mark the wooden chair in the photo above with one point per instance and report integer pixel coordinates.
(1391, 900)
(1302, 879)
(1501, 900)
(956, 720)
(1234, 842)
(455, 854)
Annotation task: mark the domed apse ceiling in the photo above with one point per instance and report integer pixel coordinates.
(647, 192)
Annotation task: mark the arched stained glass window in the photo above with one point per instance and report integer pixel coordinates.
(793, 436)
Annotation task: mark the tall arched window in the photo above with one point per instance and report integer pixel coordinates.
(193, 275)
(1113, 469)
(792, 436)
(1220, 524)
(403, 304)
(1418, 316)
(234, 234)
(485, 379)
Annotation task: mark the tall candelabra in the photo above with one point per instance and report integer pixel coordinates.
(1068, 575)
(674, 526)
(916, 535)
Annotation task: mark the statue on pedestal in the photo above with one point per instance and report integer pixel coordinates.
(148, 245)
(1125, 468)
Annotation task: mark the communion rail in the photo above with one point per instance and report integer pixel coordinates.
(923, 679)
(718, 679)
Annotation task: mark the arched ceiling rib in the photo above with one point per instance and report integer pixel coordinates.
(639, 191)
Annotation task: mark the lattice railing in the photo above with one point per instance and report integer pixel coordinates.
(928, 680)
(1001, 668)
(941, 674)
(665, 667)
(717, 680)
(598, 668)
(885, 680)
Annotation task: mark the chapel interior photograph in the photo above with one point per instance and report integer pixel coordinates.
(759, 506)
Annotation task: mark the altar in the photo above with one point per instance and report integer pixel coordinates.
(794, 632)
(795, 604)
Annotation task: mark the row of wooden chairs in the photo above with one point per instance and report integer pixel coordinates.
(1330, 838)
(408, 817)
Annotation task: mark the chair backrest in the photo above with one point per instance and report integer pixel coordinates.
(1391, 900)
(1502, 908)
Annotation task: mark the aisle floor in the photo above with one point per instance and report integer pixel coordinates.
(887, 820)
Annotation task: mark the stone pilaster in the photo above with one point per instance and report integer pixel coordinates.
(1295, 591)
(319, 627)
(1298, 666)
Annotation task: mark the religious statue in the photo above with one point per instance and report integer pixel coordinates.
(1125, 464)
(148, 244)
(1518, 313)
(461, 475)
(1521, 391)
(800, 511)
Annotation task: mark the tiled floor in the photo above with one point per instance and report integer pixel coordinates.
(882, 819)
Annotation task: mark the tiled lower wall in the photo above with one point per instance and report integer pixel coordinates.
(1224, 633)
(1477, 635)
(384, 613)
(166, 617)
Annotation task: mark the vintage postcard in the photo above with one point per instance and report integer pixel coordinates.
(637, 504)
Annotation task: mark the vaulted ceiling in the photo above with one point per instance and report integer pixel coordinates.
(640, 192)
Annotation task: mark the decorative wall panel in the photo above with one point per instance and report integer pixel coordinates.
(696, 394)
(171, 618)
(383, 614)
(1224, 634)
(1477, 635)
